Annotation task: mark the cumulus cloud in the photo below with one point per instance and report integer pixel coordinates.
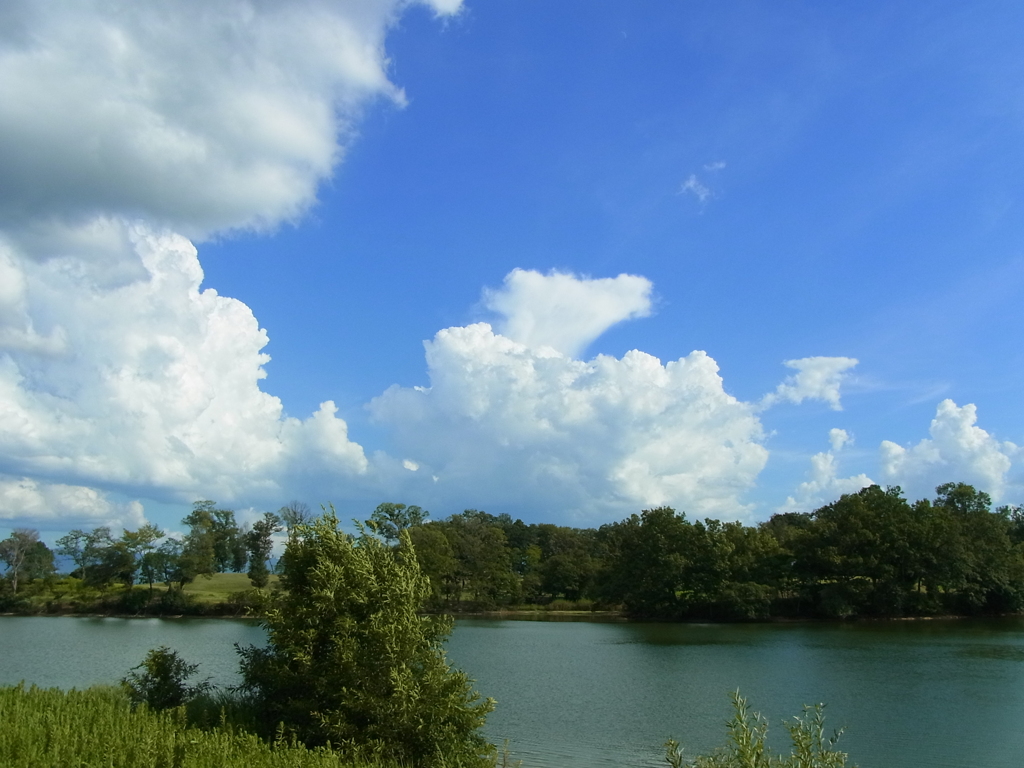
(198, 115)
(957, 451)
(502, 421)
(121, 124)
(160, 395)
(824, 484)
(564, 311)
(816, 378)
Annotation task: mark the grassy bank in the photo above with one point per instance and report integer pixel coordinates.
(223, 594)
(97, 728)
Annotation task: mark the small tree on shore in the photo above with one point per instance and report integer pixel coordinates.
(259, 544)
(350, 661)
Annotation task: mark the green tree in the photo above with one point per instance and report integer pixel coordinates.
(484, 565)
(85, 549)
(137, 544)
(389, 520)
(199, 553)
(437, 562)
(25, 556)
(646, 562)
(259, 544)
(982, 560)
(227, 541)
(350, 660)
(161, 681)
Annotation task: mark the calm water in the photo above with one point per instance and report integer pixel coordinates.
(942, 694)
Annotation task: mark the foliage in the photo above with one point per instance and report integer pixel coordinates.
(747, 747)
(25, 557)
(259, 544)
(869, 553)
(389, 520)
(97, 728)
(350, 661)
(162, 682)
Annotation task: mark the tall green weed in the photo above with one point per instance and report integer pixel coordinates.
(747, 748)
(96, 728)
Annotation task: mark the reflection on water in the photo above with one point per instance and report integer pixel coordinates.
(942, 694)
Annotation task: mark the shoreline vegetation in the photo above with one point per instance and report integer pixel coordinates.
(100, 728)
(871, 554)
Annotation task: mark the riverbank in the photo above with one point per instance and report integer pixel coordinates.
(230, 595)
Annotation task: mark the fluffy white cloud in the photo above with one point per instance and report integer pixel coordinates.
(121, 123)
(838, 438)
(563, 311)
(816, 378)
(957, 451)
(157, 392)
(41, 503)
(503, 423)
(198, 115)
(824, 484)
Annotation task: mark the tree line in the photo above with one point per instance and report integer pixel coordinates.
(870, 553)
(214, 543)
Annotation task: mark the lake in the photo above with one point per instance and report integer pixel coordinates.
(941, 693)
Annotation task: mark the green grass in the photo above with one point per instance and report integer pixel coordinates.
(97, 728)
(217, 588)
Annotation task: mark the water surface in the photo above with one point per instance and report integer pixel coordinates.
(942, 694)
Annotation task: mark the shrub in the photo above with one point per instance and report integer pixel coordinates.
(351, 662)
(163, 681)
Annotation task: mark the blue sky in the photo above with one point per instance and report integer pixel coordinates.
(810, 182)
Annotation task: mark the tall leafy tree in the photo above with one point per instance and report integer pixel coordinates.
(259, 545)
(351, 660)
(136, 545)
(227, 541)
(199, 553)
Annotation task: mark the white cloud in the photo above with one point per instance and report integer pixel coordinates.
(563, 311)
(158, 393)
(816, 378)
(42, 503)
(198, 115)
(121, 123)
(503, 423)
(838, 438)
(824, 484)
(957, 451)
